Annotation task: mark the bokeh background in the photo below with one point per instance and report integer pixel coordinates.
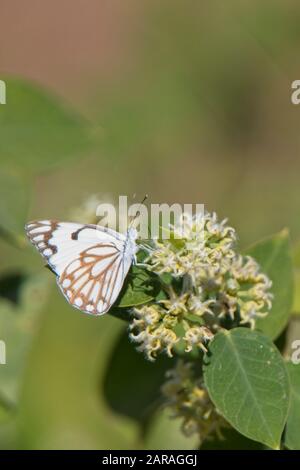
(187, 101)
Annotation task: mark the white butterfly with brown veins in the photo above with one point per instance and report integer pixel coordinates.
(90, 262)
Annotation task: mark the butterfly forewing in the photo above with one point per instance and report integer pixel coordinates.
(88, 260)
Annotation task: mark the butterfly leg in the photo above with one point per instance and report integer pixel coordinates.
(141, 265)
(146, 248)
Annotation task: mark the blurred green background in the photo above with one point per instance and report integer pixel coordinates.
(185, 101)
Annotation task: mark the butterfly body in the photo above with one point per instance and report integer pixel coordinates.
(90, 262)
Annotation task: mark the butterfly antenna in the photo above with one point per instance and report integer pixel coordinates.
(138, 211)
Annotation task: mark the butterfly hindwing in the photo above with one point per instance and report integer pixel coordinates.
(93, 281)
(88, 260)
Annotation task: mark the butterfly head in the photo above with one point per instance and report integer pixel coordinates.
(131, 246)
(132, 234)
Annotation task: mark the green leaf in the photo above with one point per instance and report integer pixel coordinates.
(247, 380)
(166, 278)
(296, 303)
(274, 256)
(14, 202)
(21, 299)
(140, 287)
(36, 130)
(140, 385)
(292, 434)
(232, 440)
(62, 401)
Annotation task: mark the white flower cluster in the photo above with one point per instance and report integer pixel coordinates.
(187, 398)
(211, 286)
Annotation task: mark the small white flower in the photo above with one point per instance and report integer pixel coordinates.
(197, 336)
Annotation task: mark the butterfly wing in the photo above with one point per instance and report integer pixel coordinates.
(88, 260)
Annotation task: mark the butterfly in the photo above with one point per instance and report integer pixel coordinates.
(90, 262)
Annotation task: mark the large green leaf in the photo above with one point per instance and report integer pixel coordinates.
(231, 440)
(21, 299)
(165, 433)
(292, 432)
(36, 130)
(140, 385)
(248, 383)
(274, 257)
